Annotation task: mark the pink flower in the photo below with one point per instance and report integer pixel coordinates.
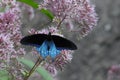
(73, 11)
(10, 36)
(114, 73)
(59, 63)
(53, 30)
(62, 59)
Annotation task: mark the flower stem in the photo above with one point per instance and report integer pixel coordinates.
(58, 26)
(39, 60)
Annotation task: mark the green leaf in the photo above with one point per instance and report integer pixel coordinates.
(48, 13)
(30, 3)
(35, 5)
(4, 75)
(40, 70)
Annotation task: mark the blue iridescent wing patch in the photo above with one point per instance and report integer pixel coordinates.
(53, 51)
(48, 48)
(43, 49)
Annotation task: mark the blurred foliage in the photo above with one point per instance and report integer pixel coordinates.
(4, 75)
(40, 70)
(35, 5)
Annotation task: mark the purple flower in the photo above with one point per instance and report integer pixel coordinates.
(71, 12)
(53, 30)
(114, 73)
(59, 63)
(10, 36)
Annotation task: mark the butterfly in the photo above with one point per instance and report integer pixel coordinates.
(47, 44)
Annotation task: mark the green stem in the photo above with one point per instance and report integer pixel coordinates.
(39, 60)
(58, 26)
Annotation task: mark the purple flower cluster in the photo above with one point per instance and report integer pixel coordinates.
(114, 73)
(63, 58)
(59, 63)
(73, 11)
(10, 36)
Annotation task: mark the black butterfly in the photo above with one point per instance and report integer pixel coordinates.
(48, 45)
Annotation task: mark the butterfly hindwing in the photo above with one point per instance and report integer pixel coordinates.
(48, 48)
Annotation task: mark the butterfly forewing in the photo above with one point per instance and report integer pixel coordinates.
(63, 43)
(36, 39)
